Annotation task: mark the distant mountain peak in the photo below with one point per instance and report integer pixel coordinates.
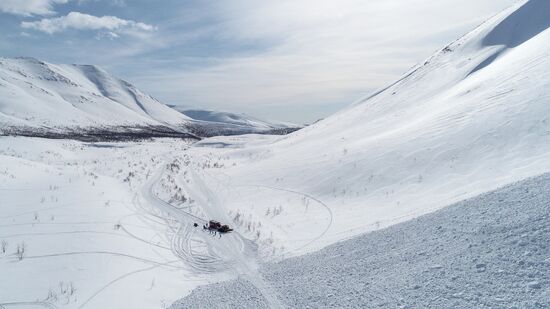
(39, 94)
(226, 123)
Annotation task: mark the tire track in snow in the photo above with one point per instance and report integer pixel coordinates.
(182, 237)
(311, 241)
(29, 303)
(323, 233)
(246, 268)
(120, 278)
(133, 236)
(232, 245)
(117, 254)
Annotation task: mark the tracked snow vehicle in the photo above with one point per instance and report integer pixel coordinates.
(217, 226)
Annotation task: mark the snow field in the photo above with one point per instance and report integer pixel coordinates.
(89, 239)
(490, 251)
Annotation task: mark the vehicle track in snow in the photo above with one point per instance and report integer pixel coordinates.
(302, 194)
(109, 253)
(235, 244)
(126, 275)
(329, 211)
(200, 252)
(183, 234)
(26, 304)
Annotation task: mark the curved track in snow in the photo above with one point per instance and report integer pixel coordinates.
(121, 278)
(183, 235)
(43, 304)
(235, 245)
(302, 194)
(199, 251)
(329, 211)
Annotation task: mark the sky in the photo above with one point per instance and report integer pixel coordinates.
(286, 60)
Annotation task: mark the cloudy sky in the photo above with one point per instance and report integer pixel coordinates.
(291, 60)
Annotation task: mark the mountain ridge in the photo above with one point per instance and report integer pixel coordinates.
(210, 123)
(77, 99)
(86, 102)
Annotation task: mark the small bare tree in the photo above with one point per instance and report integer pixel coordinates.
(21, 251)
(52, 295)
(72, 290)
(4, 245)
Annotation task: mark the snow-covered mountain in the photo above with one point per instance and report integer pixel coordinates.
(48, 97)
(242, 120)
(473, 117)
(39, 98)
(225, 123)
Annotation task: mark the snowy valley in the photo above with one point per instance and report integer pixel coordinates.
(426, 193)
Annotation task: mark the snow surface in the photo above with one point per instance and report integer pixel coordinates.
(487, 252)
(79, 209)
(110, 225)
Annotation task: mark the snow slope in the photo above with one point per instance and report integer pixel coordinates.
(471, 118)
(37, 94)
(214, 123)
(487, 252)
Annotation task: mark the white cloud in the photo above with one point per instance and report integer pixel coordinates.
(119, 3)
(81, 21)
(29, 7)
(107, 35)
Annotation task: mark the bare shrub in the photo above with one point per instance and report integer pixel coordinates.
(20, 253)
(4, 245)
